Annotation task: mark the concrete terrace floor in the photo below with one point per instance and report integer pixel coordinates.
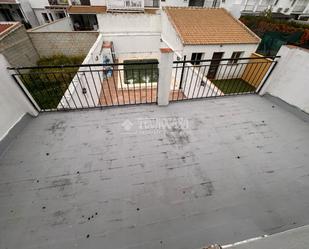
(238, 169)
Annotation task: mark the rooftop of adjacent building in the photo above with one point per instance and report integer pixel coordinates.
(199, 26)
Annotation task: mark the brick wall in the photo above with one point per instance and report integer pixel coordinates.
(67, 43)
(17, 47)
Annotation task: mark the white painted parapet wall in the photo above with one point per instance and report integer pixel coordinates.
(289, 81)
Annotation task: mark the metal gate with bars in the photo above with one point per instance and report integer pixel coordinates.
(70, 87)
(219, 77)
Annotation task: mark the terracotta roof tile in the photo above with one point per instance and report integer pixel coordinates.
(199, 26)
(4, 26)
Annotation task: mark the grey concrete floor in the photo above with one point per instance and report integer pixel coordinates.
(236, 168)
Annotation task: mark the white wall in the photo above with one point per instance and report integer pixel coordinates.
(169, 35)
(126, 44)
(179, 3)
(98, 2)
(132, 33)
(208, 50)
(234, 7)
(29, 13)
(128, 22)
(38, 4)
(61, 25)
(228, 50)
(290, 79)
(13, 104)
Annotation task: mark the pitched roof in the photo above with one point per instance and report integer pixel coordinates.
(200, 26)
(7, 27)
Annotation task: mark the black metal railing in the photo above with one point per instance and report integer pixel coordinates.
(70, 87)
(219, 77)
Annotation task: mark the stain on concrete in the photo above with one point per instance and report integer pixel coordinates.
(177, 136)
(57, 126)
(208, 188)
(59, 218)
(61, 183)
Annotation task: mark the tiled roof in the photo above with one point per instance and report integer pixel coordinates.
(74, 9)
(5, 26)
(199, 26)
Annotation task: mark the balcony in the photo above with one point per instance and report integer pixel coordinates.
(125, 5)
(58, 2)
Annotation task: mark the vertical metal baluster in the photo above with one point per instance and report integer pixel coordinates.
(108, 87)
(206, 96)
(102, 93)
(95, 87)
(133, 86)
(115, 87)
(53, 102)
(186, 81)
(61, 73)
(199, 89)
(233, 80)
(62, 90)
(29, 89)
(151, 83)
(181, 76)
(157, 88)
(125, 75)
(87, 83)
(223, 75)
(260, 77)
(81, 87)
(73, 83)
(140, 83)
(119, 73)
(146, 83)
(174, 88)
(197, 79)
(254, 75)
(53, 91)
(220, 67)
(242, 89)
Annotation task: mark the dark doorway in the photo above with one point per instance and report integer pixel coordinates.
(214, 65)
(196, 3)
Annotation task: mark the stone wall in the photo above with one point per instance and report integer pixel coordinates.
(17, 47)
(67, 43)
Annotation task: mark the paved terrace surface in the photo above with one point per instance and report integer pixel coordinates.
(240, 169)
